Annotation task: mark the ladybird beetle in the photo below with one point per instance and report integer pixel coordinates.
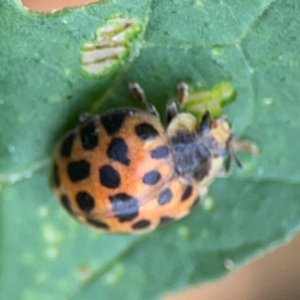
(123, 172)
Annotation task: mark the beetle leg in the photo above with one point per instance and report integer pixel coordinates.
(182, 91)
(171, 110)
(139, 94)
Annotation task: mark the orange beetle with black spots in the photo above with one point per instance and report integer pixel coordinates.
(123, 172)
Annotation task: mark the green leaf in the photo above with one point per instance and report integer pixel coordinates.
(253, 45)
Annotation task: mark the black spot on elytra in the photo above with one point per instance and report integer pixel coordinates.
(160, 152)
(165, 220)
(88, 136)
(109, 177)
(151, 177)
(65, 201)
(97, 223)
(118, 151)
(196, 201)
(165, 196)
(85, 201)
(78, 170)
(146, 131)
(187, 192)
(141, 224)
(55, 175)
(67, 145)
(125, 207)
(113, 121)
